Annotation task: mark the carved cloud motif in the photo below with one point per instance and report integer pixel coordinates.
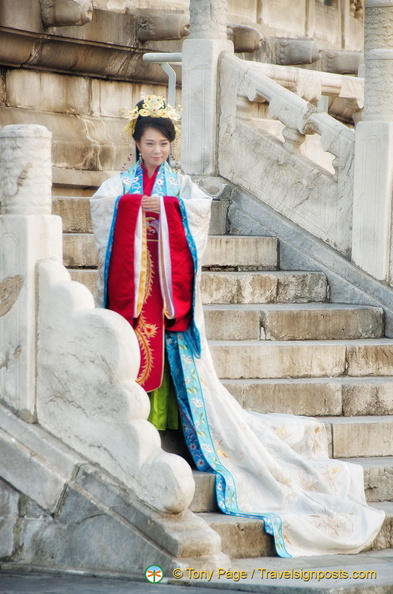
(9, 293)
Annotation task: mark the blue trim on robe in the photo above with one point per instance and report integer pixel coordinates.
(166, 184)
(109, 250)
(181, 348)
(197, 434)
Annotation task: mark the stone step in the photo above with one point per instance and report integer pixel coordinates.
(314, 321)
(79, 250)
(297, 359)
(241, 252)
(378, 477)
(75, 212)
(364, 359)
(329, 396)
(232, 322)
(205, 494)
(243, 538)
(240, 537)
(260, 360)
(227, 288)
(384, 540)
(86, 276)
(378, 483)
(235, 287)
(354, 437)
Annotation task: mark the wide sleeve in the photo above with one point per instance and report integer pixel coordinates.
(198, 206)
(102, 205)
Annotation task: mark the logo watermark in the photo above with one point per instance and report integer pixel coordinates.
(154, 574)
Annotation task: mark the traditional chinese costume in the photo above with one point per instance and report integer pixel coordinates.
(272, 467)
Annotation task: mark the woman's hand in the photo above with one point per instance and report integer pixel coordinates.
(151, 203)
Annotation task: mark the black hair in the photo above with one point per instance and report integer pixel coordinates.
(163, 125)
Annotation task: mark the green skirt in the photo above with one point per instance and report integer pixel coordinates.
(164, 411)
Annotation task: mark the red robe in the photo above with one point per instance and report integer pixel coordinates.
(151, 323)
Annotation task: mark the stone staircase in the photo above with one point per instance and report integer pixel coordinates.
(280, 346)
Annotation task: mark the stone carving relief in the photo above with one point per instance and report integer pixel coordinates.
(9, 292)
(244, 38)
(63, 13)
(25, 178)
(342, 62)
(159, 25)
(297, 51)
(357, 9)
(208, 19)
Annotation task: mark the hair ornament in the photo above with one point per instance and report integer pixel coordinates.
(155, 107)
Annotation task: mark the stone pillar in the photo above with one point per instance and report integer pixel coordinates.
(372, 215)
(310, 18)
(28, 234)
(345, 23)
(201, 51)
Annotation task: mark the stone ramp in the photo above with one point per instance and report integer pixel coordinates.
(60, 512)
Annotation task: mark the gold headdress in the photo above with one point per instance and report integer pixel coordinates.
(153, 106)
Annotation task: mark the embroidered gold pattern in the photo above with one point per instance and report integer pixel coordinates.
(144, 331)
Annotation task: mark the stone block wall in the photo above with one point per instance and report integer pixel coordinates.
(84, 114)
(79, 79)
(75, 66)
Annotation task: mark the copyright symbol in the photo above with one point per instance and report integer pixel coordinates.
(177, 573)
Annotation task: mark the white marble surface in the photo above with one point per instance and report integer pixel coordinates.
(372, 212)
(372, 217)
(88, 360)
(25, 170)
(278, 173)
(25, 240)
(28, 234)
(208, 19)
(199, 94)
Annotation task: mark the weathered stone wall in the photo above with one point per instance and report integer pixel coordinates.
(58, 511)
(74, 65)
(78, 78)
(84, 114)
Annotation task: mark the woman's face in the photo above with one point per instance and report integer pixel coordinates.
(154, 148)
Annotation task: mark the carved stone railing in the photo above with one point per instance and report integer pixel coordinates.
(345, 93)
(275, 168)
(64, 364)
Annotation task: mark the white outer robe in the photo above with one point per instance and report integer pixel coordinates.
(279, 462)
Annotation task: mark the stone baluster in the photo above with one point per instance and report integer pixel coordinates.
(372, 209)
(201, 51)
(359, 10)
(28, 234)
(293, 139)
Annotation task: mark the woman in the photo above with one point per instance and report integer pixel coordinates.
(272, 467)
(153, 285)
